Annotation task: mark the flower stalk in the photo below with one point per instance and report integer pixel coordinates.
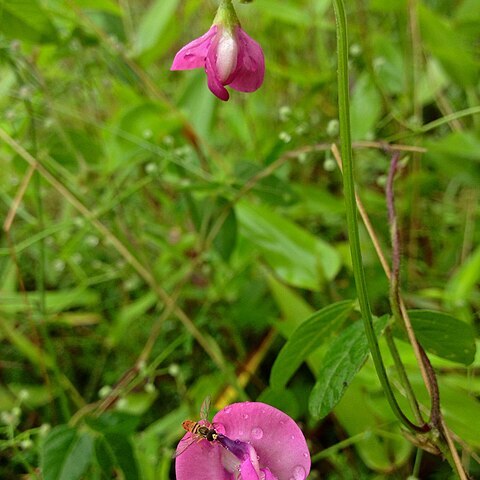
(351, 213)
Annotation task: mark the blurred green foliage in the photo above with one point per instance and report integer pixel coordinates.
(169, 239)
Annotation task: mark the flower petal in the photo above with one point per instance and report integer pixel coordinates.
(247, 470)
(214, 83)
(238, 456)
(250, 71)
(193, 54)
(201, 461)
(276, 438)
(268, 474)
(226, 54)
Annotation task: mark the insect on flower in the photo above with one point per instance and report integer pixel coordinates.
(201, 430)
(253, 441)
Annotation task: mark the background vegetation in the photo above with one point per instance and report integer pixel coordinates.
(159, 245)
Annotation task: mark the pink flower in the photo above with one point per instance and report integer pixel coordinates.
(255, 442)
(229, 56)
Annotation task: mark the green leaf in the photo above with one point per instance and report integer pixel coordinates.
(367, 416)
(26, 20)
(197, 102)
(309, 336)
(115, 422)
(66, 453)
(282, 399)
(127, 315)
(122, 450)
(105, 456)
(462, 284)
(460, 408)
(294, 309)
(344, 359)
(297, 257)
(56, 301)
(450, 46)
(104, 5)
(287, 12)
(365, 108)
(457, 155)
(153, 25)
(24, 345)
(226, 238)
(143, 125)
(271, 189)
(443, 335)
(114, 451)
(468, 12)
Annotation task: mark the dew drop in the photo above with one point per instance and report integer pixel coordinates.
(299, 473)
(257, 433)
(245, 416)
(228, 410)
(292, 437)
(240, 433)
(306, 455)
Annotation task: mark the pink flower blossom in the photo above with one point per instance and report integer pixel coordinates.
(229, 56)
(255, 442)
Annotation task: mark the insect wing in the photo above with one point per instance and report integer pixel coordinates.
(205, 408)
(184, 444)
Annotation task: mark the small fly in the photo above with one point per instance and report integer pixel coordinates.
(201, 430)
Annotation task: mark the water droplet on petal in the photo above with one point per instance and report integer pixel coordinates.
(228, 410)
(245, 416)
(257, 433)
(292, 437)
(240, 433)
(299, 473)
(306, 455)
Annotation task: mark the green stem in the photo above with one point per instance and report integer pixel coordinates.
(402, 374)
(351, 212)
(418, 463)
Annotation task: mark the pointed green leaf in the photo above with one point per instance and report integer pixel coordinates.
(114, 422)
(26, 20)
(462, 284)
(449, 45)
(297, 257)
(366, 416)
(443, 335)
(309, 336)
(293, 307)
(226, 238)
(344, 359)
(366, 108)
(153, 25)
(122, 450)
(66, 453)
